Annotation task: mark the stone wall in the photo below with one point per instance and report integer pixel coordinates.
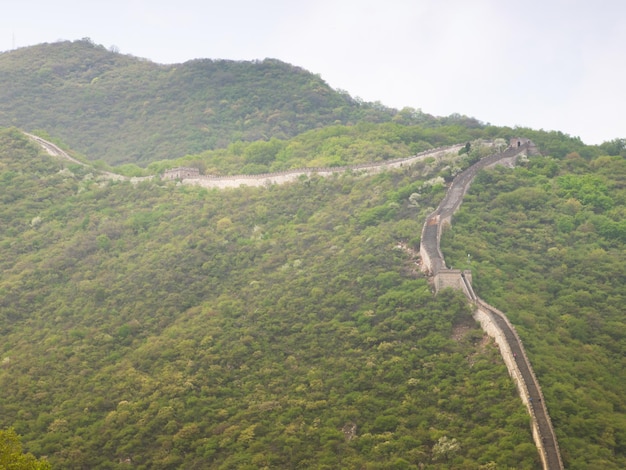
(493, 322)
(498, 326)
(432, 259)
(266, 179)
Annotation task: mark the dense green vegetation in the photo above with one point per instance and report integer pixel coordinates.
(224, 116)
(122, 109)
(280, 327)
(288, 327)
(547, 245)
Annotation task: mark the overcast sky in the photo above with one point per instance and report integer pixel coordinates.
(546, 64)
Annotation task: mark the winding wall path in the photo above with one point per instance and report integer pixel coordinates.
(234, 181)
(494, 322)
(56, 151)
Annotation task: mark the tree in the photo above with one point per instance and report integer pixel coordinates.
(445, 448)
(614, 147)
(11, 456)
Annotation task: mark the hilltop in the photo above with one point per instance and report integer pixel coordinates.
(122, 109)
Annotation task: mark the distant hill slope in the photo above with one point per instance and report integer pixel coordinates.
(121, 109)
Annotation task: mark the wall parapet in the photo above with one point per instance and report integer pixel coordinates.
(498, 326)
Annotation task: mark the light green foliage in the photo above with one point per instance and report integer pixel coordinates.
(445, 448)
(12, 456)
(333, 146)
(589, 190)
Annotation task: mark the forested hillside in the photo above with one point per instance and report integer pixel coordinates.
(546, 244)
(122, 109)
(174, 327)
(288, 326)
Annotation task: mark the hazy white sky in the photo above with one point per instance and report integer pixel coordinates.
(545, 64)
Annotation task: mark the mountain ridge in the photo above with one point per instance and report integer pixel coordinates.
(123, 109)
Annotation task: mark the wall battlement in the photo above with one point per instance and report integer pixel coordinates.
(454, 279)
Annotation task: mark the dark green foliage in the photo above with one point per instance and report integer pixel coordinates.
(185, 328)
(122, 109)
(589, 190)
(547, 244)
(615, 147)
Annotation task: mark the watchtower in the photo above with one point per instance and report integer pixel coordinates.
(180, 173)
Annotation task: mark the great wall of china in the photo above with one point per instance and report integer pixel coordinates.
(190, 176)
(492, 321)
(233, 181)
